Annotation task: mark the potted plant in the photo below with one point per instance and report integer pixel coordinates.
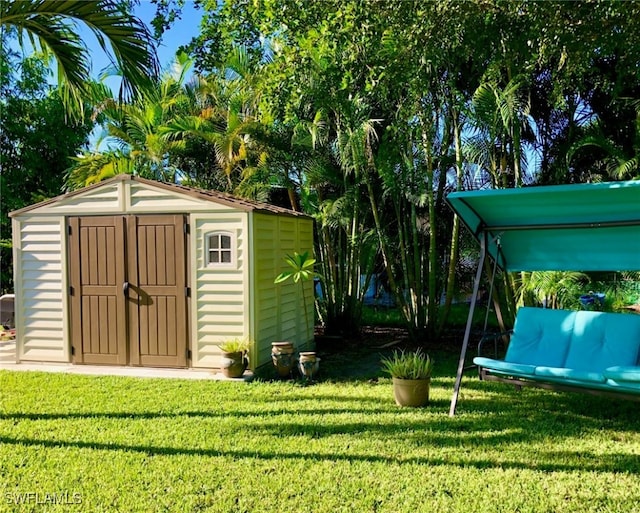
(411, 376)
(234, 357)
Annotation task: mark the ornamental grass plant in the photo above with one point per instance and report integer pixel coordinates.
(408, 365)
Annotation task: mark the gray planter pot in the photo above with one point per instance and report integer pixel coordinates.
(411, 392)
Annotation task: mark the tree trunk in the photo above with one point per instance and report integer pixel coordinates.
(453, 253)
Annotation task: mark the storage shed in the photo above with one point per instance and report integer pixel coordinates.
(142, 273)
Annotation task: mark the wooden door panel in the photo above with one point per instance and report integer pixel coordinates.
(157, 300)
(97, 273)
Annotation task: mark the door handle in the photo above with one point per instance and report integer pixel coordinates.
(125, 288)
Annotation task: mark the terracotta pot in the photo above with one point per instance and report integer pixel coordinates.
(411, 392)
(234, 364)
(282, 355)
(309, 364)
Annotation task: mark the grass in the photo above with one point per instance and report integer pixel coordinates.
(457, 316)
(382, 316)
(149, 445)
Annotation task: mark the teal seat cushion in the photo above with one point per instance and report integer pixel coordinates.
(503, 366)
(623, 373)
(541, 337)
(624, 386)
(570, 374)
(601, 340)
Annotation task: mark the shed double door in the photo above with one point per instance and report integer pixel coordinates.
(128, 290)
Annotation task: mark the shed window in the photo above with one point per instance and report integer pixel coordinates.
(219, 249)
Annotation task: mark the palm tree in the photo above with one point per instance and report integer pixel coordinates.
(501, 115)
(156, 130)
(225, 114)
(555, 289)
(51, 27)
(140, 131)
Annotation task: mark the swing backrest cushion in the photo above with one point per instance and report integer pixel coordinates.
(541, 337)
(601, 340)
(582, 341)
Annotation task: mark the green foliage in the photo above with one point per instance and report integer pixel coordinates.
(621, 290)
(140, 445)
(37, 141)
(562, 289)
(363, 110)
(235, 345)
(382, 317)
(558, 289)
(302, 270)
(408, 365)
(626, 291)
(140, 130)
(203, 132)
(621, 161)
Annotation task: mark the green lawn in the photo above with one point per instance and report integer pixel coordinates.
(122, 444)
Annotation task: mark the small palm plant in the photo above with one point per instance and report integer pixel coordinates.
(302, 270)
(235, 345)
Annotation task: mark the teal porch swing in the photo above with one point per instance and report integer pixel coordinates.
(584, 227)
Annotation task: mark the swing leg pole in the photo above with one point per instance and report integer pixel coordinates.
(467, 331)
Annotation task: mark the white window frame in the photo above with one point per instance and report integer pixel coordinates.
(220, 250)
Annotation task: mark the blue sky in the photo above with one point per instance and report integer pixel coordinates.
(180, 34)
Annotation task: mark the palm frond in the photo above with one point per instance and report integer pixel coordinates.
(625, 169)
(90, 168)
(51, 26)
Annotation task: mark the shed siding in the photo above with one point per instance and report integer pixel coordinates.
(219, 294)
(278, 308)
(40, 317)
(267, 325)
(290, 307)
(305, 242)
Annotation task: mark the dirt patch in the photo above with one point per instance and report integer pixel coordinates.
(358, 358)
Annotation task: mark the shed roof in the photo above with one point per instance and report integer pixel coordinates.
(584, 227)
(216, 197)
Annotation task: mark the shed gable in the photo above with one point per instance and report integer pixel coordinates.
(123, 196)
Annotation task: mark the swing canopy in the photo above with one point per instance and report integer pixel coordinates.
(584, 227)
